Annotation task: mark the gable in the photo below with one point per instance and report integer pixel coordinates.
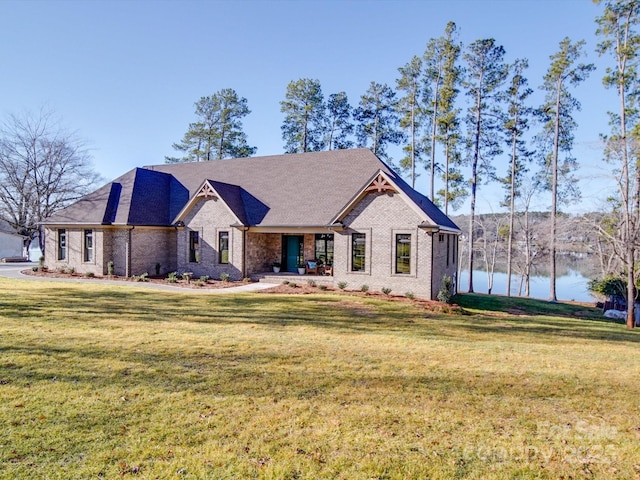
(384, 183)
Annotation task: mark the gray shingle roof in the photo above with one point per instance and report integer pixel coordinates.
(281, 190)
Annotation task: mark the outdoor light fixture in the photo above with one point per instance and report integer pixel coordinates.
(430, 229)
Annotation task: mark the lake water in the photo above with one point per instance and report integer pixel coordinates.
(570, 286)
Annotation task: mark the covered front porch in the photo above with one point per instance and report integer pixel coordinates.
(284, 253)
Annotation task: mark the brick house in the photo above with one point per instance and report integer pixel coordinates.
(345, 211)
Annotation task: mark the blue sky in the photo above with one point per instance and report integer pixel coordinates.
(125, 74)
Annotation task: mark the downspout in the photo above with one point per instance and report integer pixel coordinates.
(244, 253)
(127, 268)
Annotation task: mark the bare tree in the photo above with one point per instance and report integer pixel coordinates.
(491, 243)
(43, 168)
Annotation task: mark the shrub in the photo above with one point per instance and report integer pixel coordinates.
(342, 285)
(410, 295)
(110, 268)
(89, 274)
(246, 280)
(204, 278)
(41, 261)
(364, 288)
(386, 290)
(172, 277)
(311, 283)
(609, 285)
(322, 287)
(224, 276)
(285, 282)
(144, 277)
(199, 282)
(35, 269)
(446, 290)
(293, 284)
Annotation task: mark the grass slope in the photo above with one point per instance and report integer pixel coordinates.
(111, 382)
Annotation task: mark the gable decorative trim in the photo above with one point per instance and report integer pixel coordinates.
(380, 184)
(206, 191)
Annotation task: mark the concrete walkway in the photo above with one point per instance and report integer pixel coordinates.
(14, 270)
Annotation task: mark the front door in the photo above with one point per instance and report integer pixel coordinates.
(294, 248)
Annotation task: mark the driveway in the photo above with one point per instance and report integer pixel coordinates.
(13, 270)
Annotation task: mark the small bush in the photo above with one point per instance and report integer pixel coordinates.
(144, 277)
(342, 285)
(110, 268)
(364, 288)
(224, 276)
(172, 277)
(445, 294)
(246, 280)
(89, 274)
(71, 270)
(322, 287)
(285, 282)
(386, 290)
(34, 269)
(293, 284)
(311, 283)
(204, 278)
(199, 283)
(609, 285)
(410, 295)
(41, 261)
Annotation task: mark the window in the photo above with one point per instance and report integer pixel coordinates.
(62, 244)
(194, 247)
(358, 251)
(324, 248)
(448, 248)
(403, 253)
(88, 245)
(223, 247)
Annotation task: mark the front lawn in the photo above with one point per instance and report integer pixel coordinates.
(99, 381)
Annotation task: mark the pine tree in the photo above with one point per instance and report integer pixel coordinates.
(617, 28)
(442, 76)
(218, 132)
(409, 107)
(516, 124)
(339, 126)
(558, 127)
(303, 128)
(486, 73)
(377, 120)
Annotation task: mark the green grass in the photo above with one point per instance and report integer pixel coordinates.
(122, 382)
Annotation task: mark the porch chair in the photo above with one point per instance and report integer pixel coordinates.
(311, 266)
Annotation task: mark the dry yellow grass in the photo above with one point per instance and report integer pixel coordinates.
(111, 382)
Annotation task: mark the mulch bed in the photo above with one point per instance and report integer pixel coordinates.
(306, 289)
(162, 280)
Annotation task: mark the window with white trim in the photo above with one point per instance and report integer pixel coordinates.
(88, 245)
(403, 253)
(358, 252)
(62, 244)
